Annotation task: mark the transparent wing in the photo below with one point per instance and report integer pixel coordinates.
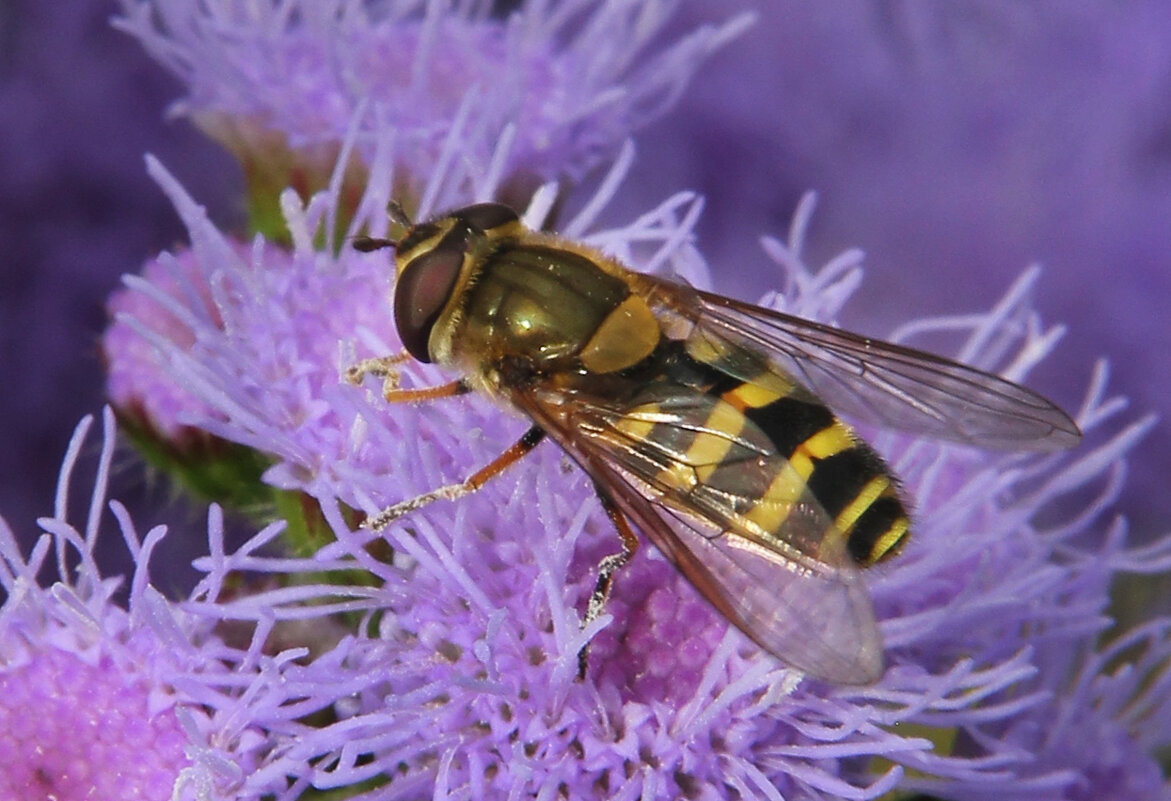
(874, 381)
(820, 622)
(797, 595)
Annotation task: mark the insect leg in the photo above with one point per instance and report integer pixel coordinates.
(606, 569)
(381, 366)
(384, 368)
(469, 485)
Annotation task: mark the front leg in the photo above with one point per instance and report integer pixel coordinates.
(384, 367)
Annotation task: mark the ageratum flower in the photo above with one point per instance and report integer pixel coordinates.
(457, 680)
(279, 83)
(91, 692)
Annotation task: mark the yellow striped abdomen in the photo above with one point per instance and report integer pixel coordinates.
(749, 452)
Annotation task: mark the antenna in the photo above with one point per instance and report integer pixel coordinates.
(398, 219)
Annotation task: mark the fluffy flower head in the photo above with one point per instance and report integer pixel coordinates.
(87, 704)
(566, 83)
(460, 682)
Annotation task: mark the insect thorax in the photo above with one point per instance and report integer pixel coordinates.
(551, 309)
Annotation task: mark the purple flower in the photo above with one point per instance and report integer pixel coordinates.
(565, 84)
(459, 678)
(89, 698)
(439, 658)
(150, 397)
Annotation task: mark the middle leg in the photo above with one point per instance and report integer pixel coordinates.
(607, 569)
(514, 454)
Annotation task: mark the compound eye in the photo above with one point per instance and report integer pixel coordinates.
(486, 216)
(420, 293)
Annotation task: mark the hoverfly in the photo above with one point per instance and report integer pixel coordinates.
(703, 421)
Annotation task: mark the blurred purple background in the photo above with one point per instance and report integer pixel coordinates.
(80, 104)
(955, 143)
